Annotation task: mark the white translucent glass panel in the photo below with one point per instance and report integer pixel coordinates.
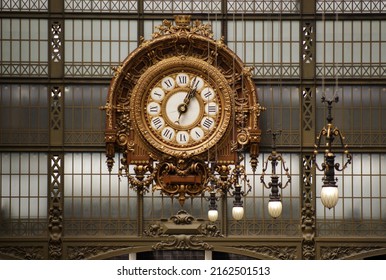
(161, 206)
(283, 113)
(84, 121)
(25, 5)
(93, 46)
(263, 6)
(271, 46)
(360, 113)
(351, 6)
(150, 26)
(101, 6)
(23, 185)
(351, 48)
(362, 190)
(90, 192)
(23, 47)
(23, 114)
(182, 6)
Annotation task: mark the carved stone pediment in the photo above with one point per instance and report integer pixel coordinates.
(182, 223)
(183, 232)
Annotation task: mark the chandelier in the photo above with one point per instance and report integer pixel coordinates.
(274, 204)
(329, 193)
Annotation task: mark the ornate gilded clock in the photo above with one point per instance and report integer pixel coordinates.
(179, 108)
(182, 106)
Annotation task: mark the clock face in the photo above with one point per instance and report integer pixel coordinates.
(182, 106)
(182, 109)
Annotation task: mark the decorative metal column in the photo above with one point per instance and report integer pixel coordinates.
(56, 108)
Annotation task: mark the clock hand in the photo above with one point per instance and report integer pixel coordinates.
(182, 108)
(191, 93)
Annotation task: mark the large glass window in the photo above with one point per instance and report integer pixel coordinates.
(351, 48)
(24, 47)
(96, 202)
(93, 46)
(84, 121)
(271, 47)
(23, 194)
(361, 209)
(23, 115)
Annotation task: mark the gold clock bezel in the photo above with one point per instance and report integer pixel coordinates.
(176, 126)
(171, 66)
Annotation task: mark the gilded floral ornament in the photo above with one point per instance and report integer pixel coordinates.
(183, 25)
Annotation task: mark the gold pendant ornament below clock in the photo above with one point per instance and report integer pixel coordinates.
(181, 106)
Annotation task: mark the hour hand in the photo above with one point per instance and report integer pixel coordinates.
(182, 108)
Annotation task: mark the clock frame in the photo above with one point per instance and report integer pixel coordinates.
(181, 169)
(205, 123)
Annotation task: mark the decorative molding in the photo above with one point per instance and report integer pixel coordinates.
(25, 253)
(87, 252)
(272, 252)
(183, 242)
(182, 223)
(343, 252)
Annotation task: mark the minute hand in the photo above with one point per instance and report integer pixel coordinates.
(182, 108)
(189, 96)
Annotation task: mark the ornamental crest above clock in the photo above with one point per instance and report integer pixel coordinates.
(179, 107)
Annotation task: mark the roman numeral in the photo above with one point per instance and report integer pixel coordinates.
(182, 138)
(212, 108)
(207, 123)
(153, 109)
(182, 79)
(207, 94)
(157, 123)
(168, 83)
(167, 133)
(156, 93)
(195, 82)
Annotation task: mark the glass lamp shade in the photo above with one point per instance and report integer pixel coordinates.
(212, 215)
(329, 196)
(237, 212)
(274, 208)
